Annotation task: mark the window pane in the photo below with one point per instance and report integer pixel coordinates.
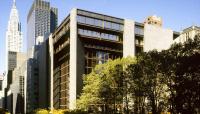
(121, 27)
(115, 26)
(81, 19)
(98, 22)
(89, 21)
(107, 24)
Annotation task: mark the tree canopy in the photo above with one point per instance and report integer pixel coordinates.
(166, 81)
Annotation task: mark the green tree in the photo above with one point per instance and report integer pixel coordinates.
(149, 86)
(185, 97)
(91, 94)
(104, 86)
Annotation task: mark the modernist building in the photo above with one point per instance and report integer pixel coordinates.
(188, 33)
(85, 39)
(41, 21)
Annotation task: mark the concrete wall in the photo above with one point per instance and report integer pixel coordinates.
(51, 69)
(80, 67)
(129, 38)
(73, 59)
(157, 38)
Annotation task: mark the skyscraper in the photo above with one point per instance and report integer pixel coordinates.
(13, 33)
(41, 20)
(14, 39)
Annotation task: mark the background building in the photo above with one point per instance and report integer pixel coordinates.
(41, 21)
(85, 39)
(14, 39)
(38, 77)
(188, 33)
(1, 91)
(15, 60)
(17, 86)
(31, 83)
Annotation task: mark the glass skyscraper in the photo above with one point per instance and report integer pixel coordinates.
(41, 20)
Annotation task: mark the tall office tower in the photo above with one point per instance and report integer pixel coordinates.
(85, 39)
(41, 21)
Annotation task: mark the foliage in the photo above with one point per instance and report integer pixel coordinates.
(186, 78)
(76, 112)
(149, 88)
(91, 90)
(166, 81)
(104, 86)
(41, 111)
(59, 111)
(3, 111)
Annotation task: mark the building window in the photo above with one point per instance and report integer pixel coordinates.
(107, 24)
(102, 57)
(100, 23)
(89, 21)
(81, 19)
(98, 34)
(139, 30)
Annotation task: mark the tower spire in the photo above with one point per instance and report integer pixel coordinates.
(14, 3)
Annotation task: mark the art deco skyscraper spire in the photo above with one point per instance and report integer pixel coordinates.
(14, 34)
(14, 3)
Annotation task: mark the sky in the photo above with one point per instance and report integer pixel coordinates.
(176, 14)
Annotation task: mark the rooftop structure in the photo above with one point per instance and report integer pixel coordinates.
(154, 20)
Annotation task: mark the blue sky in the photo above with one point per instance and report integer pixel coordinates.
(176, 14)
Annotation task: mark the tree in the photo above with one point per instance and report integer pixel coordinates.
(186, 78)
(149, 87)
(153, 81)
(104, 86)
(90, 95)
